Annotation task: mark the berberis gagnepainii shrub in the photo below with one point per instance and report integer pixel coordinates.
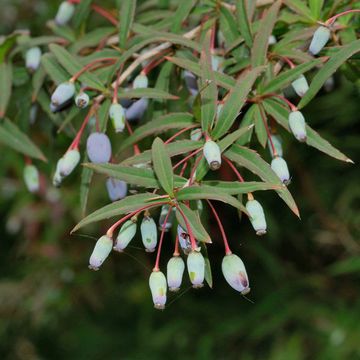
(166, 98)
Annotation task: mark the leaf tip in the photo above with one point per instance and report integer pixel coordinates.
(349, 161)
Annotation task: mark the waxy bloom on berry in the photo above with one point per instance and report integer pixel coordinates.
(117, 116)
(148, 231)
(196, 268)
(235, 273)
(69, 162)
(101, 251)
(126, 234)
(257, 216)
(157, 283)
(137, 109)
(31, 178)
(140, 82)
(191, 82)
(175, 270)
(319, 40)
(82, 100)
(33, 58)
(64, 13)
(297, 125)
(62, 94)
(280, 168)
(300, 85)
(212, 154)
(116, 189)
(98, 148)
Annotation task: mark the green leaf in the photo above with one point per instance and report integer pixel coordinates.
(57, 74)
(5, 86)
(232, 137)
(7, 43)
(236, 187)
(13, 137)
(103, 115)
(260, 129)
(199, 192)
(127, 205)
(346, 266)
(162, 165)
(150, 93)
(86, 177)
(315, 8)
(193, 218)
(127, 12)
(82, 13)
(251, 160)
(235, 101)
(181, 13)
(261, 41)
(328, 69)
(72, 65)
(246, 121)
(243, 21)
(164, 123)
(286, 77)
(208, 274)
(91, 39)
(299, 7)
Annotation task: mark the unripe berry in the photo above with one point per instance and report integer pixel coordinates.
(64, 13)
(276, 141)
(82, 100)
(257, 216)
(174, 272)
(69, 162)
(141, 81)
(117, 116)
(300, 85)
(279, 166)
(235, 273)
(137, 109)
(196, 268)
(63, 93)
(148, 233)
(126, 234)
(157, 283)
(216, 62)
(57, 179)
(116, 189)
(101, 251)
(196, 134)
(31, 178)
(272, 40)
(98, 148)
(33, 58)
(212, 154)
(297, 125)
(319, 40)
(163, 214)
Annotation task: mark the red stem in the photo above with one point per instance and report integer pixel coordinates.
(290, 104)
(176, 251)
(188, 227)
(76, 141)
(135, 146)
(186, 158)
(197, 161)
(234, 169)
(179, 133)
(88, 66)
(332, 19)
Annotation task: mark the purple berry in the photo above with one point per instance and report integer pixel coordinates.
(98, 148)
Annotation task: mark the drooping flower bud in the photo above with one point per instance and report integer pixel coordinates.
(300, 85)
(63, 93)
(279, 166)
(212, 154)
(148, 233)
(297, 125)
(196, 268)
(319, 40)
(126, 234)
(235, 273)
(82, 100)
(276, 141)
(196, 134)
(137, 109)
(175, 270)
(117, 116)
(33, 58)
(31, 178)
(191, 83)
(64, 13)
(69, 162)
(101, 251)
(163, 214)
(98, 148)
(257, 216)
(157, 283)
(140, 82)
(116, 189)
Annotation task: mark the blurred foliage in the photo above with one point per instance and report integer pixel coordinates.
(304, 302)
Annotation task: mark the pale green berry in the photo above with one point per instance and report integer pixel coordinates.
(279, 166)
(141, 81)
(319, 40)
(234, 272)
(272, 40)
(257, 216)
(148, 231)
(65, 12)
(101, 251)
(33, 58)
(216, 62)
(63, 93)
(219, 109)
(196, 134)
(117, 116)
(31, 178)
(174, 272)
(196, 268)
(69, 162)
(212, 154)
(82, 100)
(158, 288)
(276, 141)
(126, 234)
(300, 85)
(297, 125)
(57, 179)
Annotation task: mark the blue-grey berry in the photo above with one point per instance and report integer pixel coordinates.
(319, 40)
(69, 162)
(116, 189)
(65, 12)
(137, 109)
(33, 58)
(98, 148)
(63, 93)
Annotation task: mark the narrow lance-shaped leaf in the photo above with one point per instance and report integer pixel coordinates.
(5, 86)
(181, 13)
(127, 12)
(299, 7)
(229, 139)
(236, 187)
(162, 165)
(260, 127)
(261, 41)
(243, 21)
(57, 74)
(315, 7)
(208, 273)
(328, 69)
(150, 93)
(86, 177)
